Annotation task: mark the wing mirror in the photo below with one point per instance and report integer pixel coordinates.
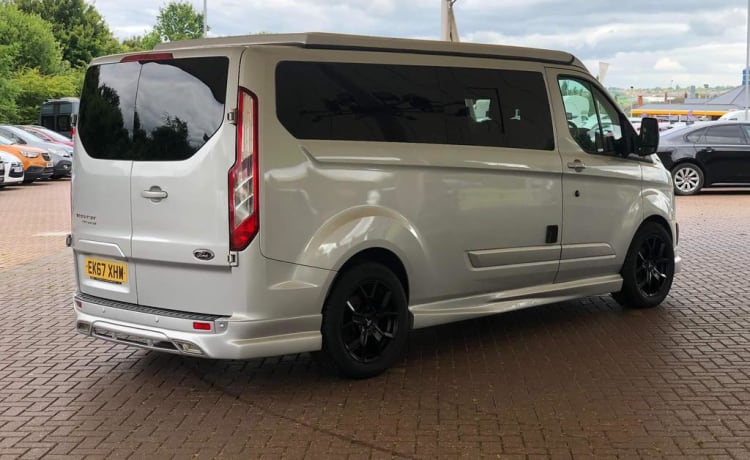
(648, 140)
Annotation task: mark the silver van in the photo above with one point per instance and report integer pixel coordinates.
(253, 196)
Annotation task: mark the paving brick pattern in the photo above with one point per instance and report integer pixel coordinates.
(580, 379)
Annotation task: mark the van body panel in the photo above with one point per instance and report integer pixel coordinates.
(437, 199)
(452, 194)
(101, 223)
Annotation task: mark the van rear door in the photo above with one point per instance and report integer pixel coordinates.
(183, 150)
(100, 191)
(164, 151)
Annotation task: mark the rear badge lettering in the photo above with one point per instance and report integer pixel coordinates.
(203, 254)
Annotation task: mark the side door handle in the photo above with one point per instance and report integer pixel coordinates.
(578, 165)
(155, 194)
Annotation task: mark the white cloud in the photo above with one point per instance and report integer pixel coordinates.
(647, 43)
(668, 64)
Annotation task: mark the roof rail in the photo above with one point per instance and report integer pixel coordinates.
(318, 40)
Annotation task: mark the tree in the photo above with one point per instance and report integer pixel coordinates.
(78, 27)
(141, 42)
(28, 41)
(178, 21)
(33, 88)
(8, 88)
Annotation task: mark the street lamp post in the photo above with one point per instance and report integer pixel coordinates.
(205, 20)
(747, 62)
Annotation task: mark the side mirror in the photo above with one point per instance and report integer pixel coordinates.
(648, 140)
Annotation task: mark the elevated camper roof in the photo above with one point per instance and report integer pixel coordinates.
(317, 40)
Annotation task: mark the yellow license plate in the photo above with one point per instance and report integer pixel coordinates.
(106, 270)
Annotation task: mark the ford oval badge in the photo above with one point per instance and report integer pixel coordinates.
(203, 254)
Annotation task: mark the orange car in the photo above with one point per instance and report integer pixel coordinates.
(37, 163)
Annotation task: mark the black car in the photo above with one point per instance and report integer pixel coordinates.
(708, 154)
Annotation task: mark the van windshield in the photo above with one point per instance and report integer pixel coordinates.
(153, 110)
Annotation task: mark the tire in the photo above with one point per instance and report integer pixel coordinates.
(365, 322)
(648, 270)
(688, 179)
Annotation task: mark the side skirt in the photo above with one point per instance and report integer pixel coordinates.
(448, 311)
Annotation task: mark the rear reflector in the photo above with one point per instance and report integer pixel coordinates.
(147, 57)
(200, 326)
(79, 305)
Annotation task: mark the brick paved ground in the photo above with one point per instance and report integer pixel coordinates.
(575, 379)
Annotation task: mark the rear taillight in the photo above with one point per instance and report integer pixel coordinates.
(243, 177)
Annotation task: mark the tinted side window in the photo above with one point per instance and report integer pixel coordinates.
(695, 136)
(152, 111)
(419, 104)
(180, 105)
(724, 135)
(105, 123)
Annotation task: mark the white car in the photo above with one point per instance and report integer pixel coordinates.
(735, 115)
(13, 174)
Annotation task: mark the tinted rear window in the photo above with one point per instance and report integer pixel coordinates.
(152, 111)
(419, 104)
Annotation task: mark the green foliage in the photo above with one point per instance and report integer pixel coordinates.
(178, 21)
(28, 40)
(8, 89)
(78, 28)
(141, 42)
(34, 88)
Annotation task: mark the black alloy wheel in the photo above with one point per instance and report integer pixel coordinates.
(365, 322)
(653, 266)
(648, 269)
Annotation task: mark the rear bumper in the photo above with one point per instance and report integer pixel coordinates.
(174, 332)
(62, 168)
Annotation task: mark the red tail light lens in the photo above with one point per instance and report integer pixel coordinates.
(243, 177)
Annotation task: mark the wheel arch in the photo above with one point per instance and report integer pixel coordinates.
(660, 220)
(379, 255)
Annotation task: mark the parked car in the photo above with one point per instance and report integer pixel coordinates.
(47, 134)
(711, 154)
(734, 115)
(13, 169)
(60, 154)
(37, 163)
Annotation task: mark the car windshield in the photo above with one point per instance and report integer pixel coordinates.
(39, 131)
(21, 134)
(5, 141)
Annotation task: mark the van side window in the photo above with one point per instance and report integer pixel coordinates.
(417, 104)
(593, 120)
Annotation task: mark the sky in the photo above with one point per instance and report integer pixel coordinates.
(647, 43)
